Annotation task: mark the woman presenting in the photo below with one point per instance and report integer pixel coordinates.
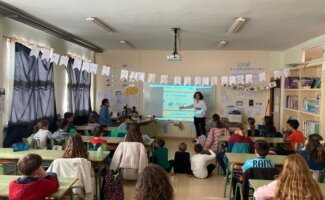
(200, 108)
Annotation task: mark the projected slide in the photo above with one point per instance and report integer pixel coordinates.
(164, 101)
(173, 98)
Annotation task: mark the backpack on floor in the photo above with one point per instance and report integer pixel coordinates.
(112, 188)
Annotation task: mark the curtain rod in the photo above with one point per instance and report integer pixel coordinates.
(27, 43)
(31, 45)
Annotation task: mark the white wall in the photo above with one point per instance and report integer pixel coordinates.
(16, 29)
(194, 63)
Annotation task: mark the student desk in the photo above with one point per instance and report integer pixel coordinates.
(49, 155)
(259, 183)
(65, 186)
(86, 128)
(267, 139)
(241, 158)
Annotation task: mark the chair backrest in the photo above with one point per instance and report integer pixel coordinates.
(35, 144)
(117, 132)
(2, 169)
(257, 173)
(240, 148)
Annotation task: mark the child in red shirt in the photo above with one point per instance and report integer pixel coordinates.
(98, 130)
(34, 182)
(296, 136)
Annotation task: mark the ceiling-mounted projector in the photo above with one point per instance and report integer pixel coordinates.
(175, 56)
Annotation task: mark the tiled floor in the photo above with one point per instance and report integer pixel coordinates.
(187, 187)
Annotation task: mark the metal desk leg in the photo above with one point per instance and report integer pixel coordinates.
(71, 193)
(231, 177)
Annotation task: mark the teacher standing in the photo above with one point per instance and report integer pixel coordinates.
(200, 108)
(104, 115)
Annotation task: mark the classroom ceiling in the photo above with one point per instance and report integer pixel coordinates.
(271, 24)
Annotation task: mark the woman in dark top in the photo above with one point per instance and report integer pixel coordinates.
(182, 162)
(314, 152)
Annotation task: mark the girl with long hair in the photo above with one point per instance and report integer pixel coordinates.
(42, 133)
(314, 152)
(154, 184)
(212, 140)
(75, 147)
(294, 183)
(134, 133)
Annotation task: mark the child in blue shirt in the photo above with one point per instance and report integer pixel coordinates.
(261, 150)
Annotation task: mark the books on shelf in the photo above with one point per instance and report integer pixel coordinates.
(292, 83)
(311, 127)
(292, 102)
(311, 105)
(310, 83)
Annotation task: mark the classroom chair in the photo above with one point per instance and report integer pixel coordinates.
(35, 144)
(234, 148)
(80, 168)
(244, 189)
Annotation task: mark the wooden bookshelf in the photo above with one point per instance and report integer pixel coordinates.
(312, 69)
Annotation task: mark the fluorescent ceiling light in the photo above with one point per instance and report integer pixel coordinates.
(235, 26)
(127, 43)
(101, 24)
(221, 44)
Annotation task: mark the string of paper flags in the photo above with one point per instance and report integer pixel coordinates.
(233, 81)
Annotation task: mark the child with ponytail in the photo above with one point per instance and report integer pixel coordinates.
(314, 152)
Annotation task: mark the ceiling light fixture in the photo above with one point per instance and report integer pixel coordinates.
(235, 26)
(221, 44)
(127, 43)
(101, 24)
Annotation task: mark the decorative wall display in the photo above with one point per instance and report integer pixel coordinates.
(55, 58)
(64, 60)
(151, 78)
(106, 70)
(262, 76)
(46, 55)
(124, 74)
(187, 80)
(197, 80)
(214, 80)
(205, 81)
(77, 64)
(164, 79)
(177, 80)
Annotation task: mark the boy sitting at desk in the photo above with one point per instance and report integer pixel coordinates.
(261, 150)
(34, 182)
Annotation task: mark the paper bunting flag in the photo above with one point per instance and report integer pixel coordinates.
(46, 55)
(187, 80)
(133, 76)
(177, 80)
(262, 76)
(232, 80)
(197, 80)
(93, 68)
(85, 66)
(286, 73)
(205, 81)
(55, 58)
(163, 79)
(124, 74)
(140, 76)
(77, 64)
(106, 70)
(34, 52)
(276, 74)
(151, 78)
(64, 60)
(248, 79)
(214, 80)
(240, 80)
(224, 80)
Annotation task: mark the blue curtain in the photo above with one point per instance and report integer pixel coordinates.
(33, 95)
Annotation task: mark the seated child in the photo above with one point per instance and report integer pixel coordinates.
(292, 135)
(213, 123)
(122, 126)
(34, 183)
(61, 135)
(182, 163)
(294, 182)
(70, 117)
(261, 150)
(314, 152)
(161, 156)
(252, 132)
(199, 166)
(98, 130)
(93, 122)
(42, 133)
